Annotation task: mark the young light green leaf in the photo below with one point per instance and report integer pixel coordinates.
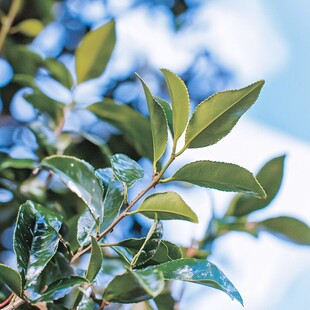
(80, 177)
(270, 177)
(36, 240)
(168, 111)
(11, 278)
(126, 170)
(158, 122)
(94, 53)
(29, 27)
(215, 117)
(134, 286)
(167, 206)
(287, 228)
(130, 122)
(198, 271)
(180, 102)
(95, 261)
(221, 176)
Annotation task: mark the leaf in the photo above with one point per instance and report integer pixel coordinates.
(126, 170)
(95, 261)
(270, 177)
(215, 117)
(287, 228)
(221, 176)
(11, 278)
(198, 271)
(29, 27)
(180, 102)
(94, 52)
(35, 239)
(86, 227)
(87, 304)
(165, 301)
(167, 206)
(134, 286)
(105, 175)
(80, 177)
(17, 163)
(168, 111)
(158, 124)
(59, 72)
(59, 289)
(130, 122)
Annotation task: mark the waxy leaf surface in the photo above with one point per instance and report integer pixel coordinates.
(95, 261)
(11, 278)
(168, 111)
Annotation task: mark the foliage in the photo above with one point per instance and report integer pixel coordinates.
(75, 192)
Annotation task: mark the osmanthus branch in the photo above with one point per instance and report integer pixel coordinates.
(15, 304)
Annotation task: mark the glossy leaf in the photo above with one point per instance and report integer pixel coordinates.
(29, 27)
(168, 111)
(17, 163)
(11, 278)
(167, 206)
(287, 228)
(80, 177)
(130, 122)
(198, 271)
(215, 117)
(180, 102)
(60, 288)
(94, 52)
(126, 170)
(87, 304)
(221, 176)
(134, 286)
(270, 177)
(86, 227)
(95, 261)
(105, 175)
(35, 239)
(158, 122)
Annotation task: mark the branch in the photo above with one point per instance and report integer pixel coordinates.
(12, 306)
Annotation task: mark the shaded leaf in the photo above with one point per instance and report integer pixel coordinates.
(95, 261)
(94, 52)
(287, 228)
(167, 206)
(200, 272)
(29, 27)
(270, 177)
(130, 122)
(11, 278)
(165, 301)
(168, 111)
(215, 117)
(134, 286)
(17, 163)
(35, 239)
(180, 102)
(221, 176)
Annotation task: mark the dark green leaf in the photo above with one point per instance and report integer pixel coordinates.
(200, 272)
(134, 286)
(29, 27)
(130, 122)
(221, 176)
(158, 122)
(167, 206)
(95, 261)
(270, 177)
(126, 170)
(165, 301)
(94, 52)
(17, 163)
(215, 117)
(287, 228)
(180, 102)
(11, 278)
(35, 240)
(87, 304)
(80, 177)
(168, 111)
(86, 227)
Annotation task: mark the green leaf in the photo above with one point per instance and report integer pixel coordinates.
(157, 116)
(80, 177)
(11, 278)
(29, 27)
(215, 117)
(59, 72)
(270, 177)
(218, 175)
(126, 170)
(95, 261)
(180, 102)
(287, 228)
(35, 239)
(105, 175)
(87, 304)
(94, 53)
(168, 111)
(165, 301)
(134, 286)
(167, 206)
(200, 272)
(17, 163)
(130, 122)
(86, 227)
(60, 288)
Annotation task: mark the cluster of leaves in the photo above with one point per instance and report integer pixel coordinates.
(59, 227)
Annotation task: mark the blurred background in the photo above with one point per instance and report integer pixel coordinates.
(212, 45)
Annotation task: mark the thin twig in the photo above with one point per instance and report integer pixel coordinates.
(14, 305)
